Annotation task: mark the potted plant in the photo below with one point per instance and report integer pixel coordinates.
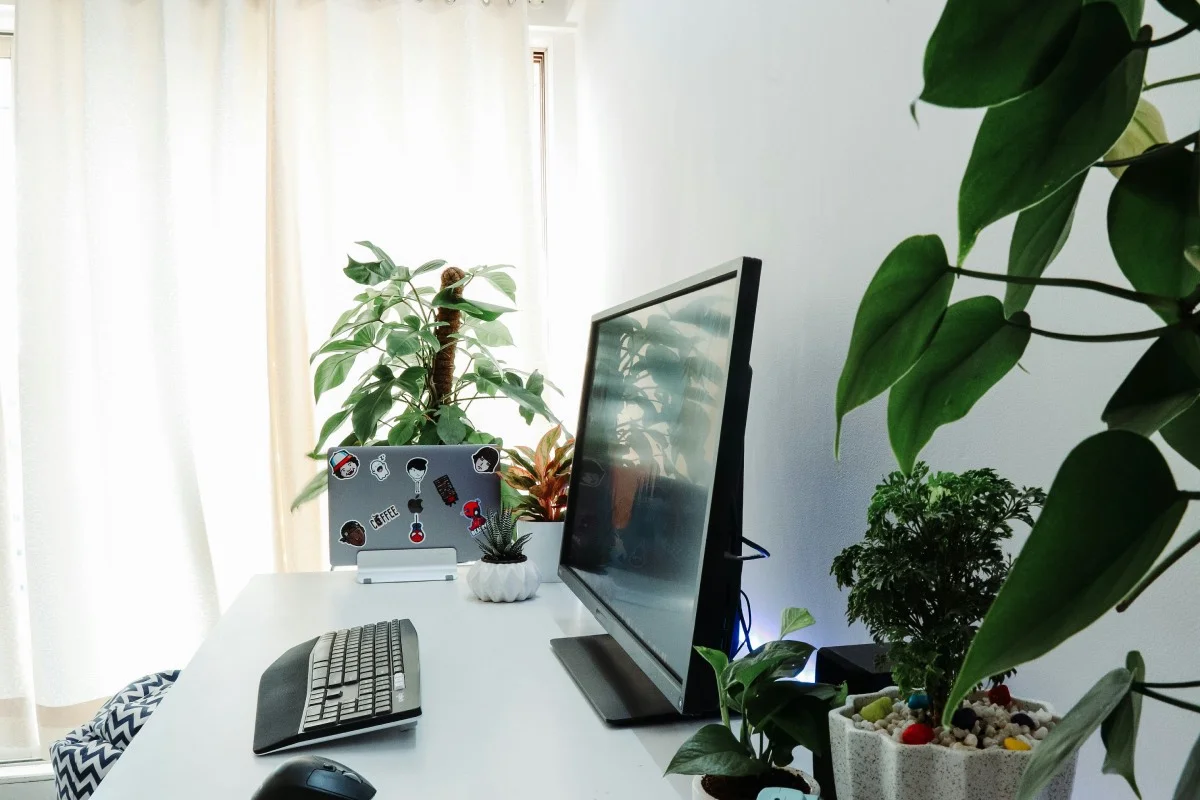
(503, 574)
(1066, 106)
(921, 579)
(535, 490)
(778, 714)
(411, 391)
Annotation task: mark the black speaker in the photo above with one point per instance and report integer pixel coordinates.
(865, 669)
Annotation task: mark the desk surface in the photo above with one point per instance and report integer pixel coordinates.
(501, 717)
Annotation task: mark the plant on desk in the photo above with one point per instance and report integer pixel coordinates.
(534, 488)
(503, 574)
(412, 391)
(778, 715)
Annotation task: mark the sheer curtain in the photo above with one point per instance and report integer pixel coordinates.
(190, 175)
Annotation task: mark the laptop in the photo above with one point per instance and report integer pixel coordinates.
(410, 498)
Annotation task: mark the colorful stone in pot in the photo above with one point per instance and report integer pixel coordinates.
(964, 718)
(1015, 744)
(918, 701)
(1000, 695)
(874, 712)
(918, 733)
(1021, 718)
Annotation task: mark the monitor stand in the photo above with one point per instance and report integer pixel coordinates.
(619, 691)
(404, 566)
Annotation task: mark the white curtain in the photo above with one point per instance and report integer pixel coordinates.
(190, 176)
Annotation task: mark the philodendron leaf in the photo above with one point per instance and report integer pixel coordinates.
(795, 619)
(898, 315)
(972, 350)
(1075, 729)
(331, 425)
(1028, 148)
(1110, 513)
(1186, 10)
(318, 484)
(1188, 787)
(367, 273)
(503, 282)
(985, 52)
(450, 425)
(1131, 10)
(369, 410)
(1145, 130)
(777, 659)
(1040, 234)
(332, 372)
(1162, 384)
(1183, 434)
(714, 750)
(716, 658)
(1120, 728)
(1153, 218)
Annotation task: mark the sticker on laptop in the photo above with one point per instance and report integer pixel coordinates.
(416, 506)
(473, 511)
(446, 490)
(384, 517)
(353, 533)
(379, 468)
(343, 464)
(486, 459)
(416, 469)
(416, 533)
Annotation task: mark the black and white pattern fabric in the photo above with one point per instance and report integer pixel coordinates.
(85, 756)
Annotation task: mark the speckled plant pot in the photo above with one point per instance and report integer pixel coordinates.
(698, 792)
(870, 766)
(503, 583)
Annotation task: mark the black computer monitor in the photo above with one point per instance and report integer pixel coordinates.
(652, 539)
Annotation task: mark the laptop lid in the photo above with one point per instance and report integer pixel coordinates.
(400, 498)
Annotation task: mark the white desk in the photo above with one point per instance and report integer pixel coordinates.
(501, 717)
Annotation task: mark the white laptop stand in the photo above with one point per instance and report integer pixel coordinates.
(407, 566)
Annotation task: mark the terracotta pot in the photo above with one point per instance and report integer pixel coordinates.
(698, 792)
(503, 583)
(870, 766)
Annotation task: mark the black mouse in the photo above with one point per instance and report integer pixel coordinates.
(314, 778)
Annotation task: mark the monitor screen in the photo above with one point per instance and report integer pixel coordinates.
(645, 462)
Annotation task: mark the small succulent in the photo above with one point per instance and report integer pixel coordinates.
(535, 484)
(498, 539)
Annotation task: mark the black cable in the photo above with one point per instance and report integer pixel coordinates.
(745, 620)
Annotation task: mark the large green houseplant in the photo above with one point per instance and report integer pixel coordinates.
(429, 358)
(1062, 82)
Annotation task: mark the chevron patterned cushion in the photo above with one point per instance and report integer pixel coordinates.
(85, 756)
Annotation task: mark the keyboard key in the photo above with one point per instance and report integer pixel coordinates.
(318, 683)
(333, 694)
(398, 681)
(324, 722)
(351, 676)
(352, 715)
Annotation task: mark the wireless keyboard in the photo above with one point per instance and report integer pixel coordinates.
(341, 683)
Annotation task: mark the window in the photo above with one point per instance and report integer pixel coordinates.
(539, 141)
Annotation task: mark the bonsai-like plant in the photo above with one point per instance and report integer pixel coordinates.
(497, 539)
(1063, 82)
(535, 484)
(412, 392)
(929, 568)
(778, 715)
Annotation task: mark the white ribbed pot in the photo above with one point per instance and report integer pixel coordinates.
(543, 547)
(503, 583)
(698, 792)
(868, 765)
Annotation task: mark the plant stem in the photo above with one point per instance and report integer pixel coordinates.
(725, 714)
(1170, 37)
(1162, 566)
(1170, 81)
(1153, 300)
(1151, 154)
(1152, 333)
(1179, 685)
(1162, 698)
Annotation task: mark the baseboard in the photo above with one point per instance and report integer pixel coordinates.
(26, 782)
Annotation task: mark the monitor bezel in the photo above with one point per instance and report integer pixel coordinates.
(718, 585)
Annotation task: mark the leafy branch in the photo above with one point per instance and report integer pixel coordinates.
(1145, 298)
(1170, 37)
(1171, 81)
(1154, 154)
(1151, 333)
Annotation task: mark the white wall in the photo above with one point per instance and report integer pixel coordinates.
(778, 128)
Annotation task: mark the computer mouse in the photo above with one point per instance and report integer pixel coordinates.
(314, 778)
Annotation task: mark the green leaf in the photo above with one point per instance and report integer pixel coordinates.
(1070, 734)
(484, 311)
(716, 658)
(503, 282)
(1110, 513)
(404, 428)
(972, 350)
(898, 315)
(714, 750)
(1119, 729)
(402, 343)
(369, 410)
(429, 266)
(795, 619)
(384, 259)
(331, 372)
(331, 425)
(493, 334)
(1183, 434)
(1131, 10)
(412, 380)
(1188, 787)
(338, 346)
(450, 426)
(1153, 219)
(1039, 235)
(1162, 385)
(1186, 10)
(784, 658)
(367, 273)
(1145, 130)
(798, 710)
(985, 52)
(535, 382)
(343, 321)
(318, 484)
(1026, 149)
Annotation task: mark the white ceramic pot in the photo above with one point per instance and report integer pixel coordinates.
(870, 766)
(698, 792)
(544, 547)
(503, 583)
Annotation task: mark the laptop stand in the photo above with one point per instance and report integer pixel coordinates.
(406, 566)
